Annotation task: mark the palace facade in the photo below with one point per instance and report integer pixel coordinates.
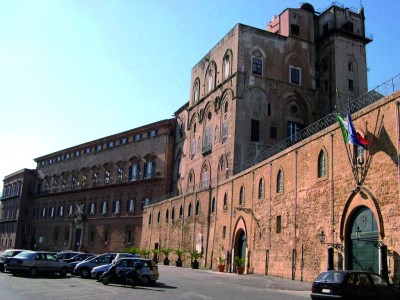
(253, 165)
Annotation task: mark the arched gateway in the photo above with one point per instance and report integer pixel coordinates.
(363, 241)
(239, 244)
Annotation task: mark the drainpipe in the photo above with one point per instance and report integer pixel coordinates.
(332, 195)
(398, 141)
(296, 153)
(232, 238)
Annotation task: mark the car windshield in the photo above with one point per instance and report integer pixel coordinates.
(23, 254)
(331, 277)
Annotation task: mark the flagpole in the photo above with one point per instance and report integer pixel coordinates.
(344, 142)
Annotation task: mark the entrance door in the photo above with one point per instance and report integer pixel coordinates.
(364, 252)
(241, 249)
(78, 234)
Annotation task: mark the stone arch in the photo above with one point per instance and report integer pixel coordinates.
(361, 196)
(239, 239)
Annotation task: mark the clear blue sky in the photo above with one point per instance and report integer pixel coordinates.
(77, 70)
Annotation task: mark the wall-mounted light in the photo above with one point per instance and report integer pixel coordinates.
(337, 246)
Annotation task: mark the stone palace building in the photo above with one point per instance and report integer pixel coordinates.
(254, 165)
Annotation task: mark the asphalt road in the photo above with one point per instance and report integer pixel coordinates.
(175, 283)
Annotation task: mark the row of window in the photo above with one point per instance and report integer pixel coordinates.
(111, 144)
(92, 209)
(8, 214)
(257, 69)
(12, 189)
(64, 183)
(211, 76)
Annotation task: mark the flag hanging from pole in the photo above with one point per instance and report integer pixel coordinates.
(354, 137)
(343, 128)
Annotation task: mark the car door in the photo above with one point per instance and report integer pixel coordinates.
(361, 287)
(41, 262)
(53, 264)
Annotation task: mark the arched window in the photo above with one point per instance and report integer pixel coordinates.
(226, 107)
(166, 216)
(173, 214)
(158, 217)
(210, 81)
(196, 90)
(225, 202)
(181, 212)
(261, 189)
(213, 205)
(197, 210)
(269, 109)
(149, 219)
(241, 196)
(321, 164)
(350, 66)
(216, 135)
(190, 210)
(205, 176)
(279, 182)
(227, 64)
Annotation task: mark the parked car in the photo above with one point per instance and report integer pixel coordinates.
(84, 268)
(67, 254)
(353, 285)
(34, 262)
(78, 257)
(73, 264)
(148, 270)
(99, 270)
(6, 254)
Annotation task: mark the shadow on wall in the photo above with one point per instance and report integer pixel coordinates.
(396, 268)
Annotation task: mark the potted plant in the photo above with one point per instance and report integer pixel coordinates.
(145, 253)
(179, 253)
(155, 255)
(239, 262)
(195, 256)
(221, 264)
(166, 252)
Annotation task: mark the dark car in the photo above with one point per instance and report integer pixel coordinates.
(353, 285)
(6, 254)
(34, 262)
(84, 268)
(67, 254)
(78, 257)
(148, 270)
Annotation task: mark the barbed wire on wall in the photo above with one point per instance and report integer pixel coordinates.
(354, 105)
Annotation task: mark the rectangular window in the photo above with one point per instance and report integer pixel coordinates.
(152, 133)
(255, 130)
(351, 85)
(294, 29)
(104, 208)
(99, 147)
(88, 150)
(77, 153)
(137, 137)
(295, 75)
(278, 224)
(67, 156)
(293, 130)
(110, 144)
(123, 141)
(223, 232)
(117, 207)
(148, 170)
(70, 210)
(131, 205)
(192, 149)
(106, 235)
(207, 140)
(273, 132)
(133, 172)
(92, 209)
(224, 131)
(256, 66)
(325, 28)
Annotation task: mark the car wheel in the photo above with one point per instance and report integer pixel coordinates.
(64, 272)
(146, 280)
(33, 272)
(85, 273)
(105, 279)
(152, 282)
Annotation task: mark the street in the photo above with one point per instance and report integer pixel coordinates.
(174, 283)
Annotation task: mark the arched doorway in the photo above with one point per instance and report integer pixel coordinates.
(363, 252)
(240, 244)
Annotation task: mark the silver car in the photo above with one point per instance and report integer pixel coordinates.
(34, 262)
(148, 271)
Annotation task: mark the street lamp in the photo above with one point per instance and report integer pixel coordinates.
(337, 246)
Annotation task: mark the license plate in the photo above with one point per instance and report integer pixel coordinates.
(326, 291)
